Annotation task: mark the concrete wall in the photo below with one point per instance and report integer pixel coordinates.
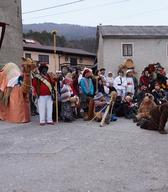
(10, 12)
(100, 52)
(145, 51)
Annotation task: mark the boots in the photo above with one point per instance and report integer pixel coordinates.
(85, 117)
(162, 131)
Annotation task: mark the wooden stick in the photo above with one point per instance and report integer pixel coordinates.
(105, 115)
(56, 90)
(98, 112)
(108, 108)
(56, 101)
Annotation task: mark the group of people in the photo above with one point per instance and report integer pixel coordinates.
(87, 94)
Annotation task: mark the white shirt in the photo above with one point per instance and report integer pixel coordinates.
(120, 83)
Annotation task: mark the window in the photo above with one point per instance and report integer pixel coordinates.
(73, 61)
(80, 60)
(66, 58)
(127, 50)
(44, 58)
(28, 55)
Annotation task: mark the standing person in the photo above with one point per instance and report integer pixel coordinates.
(120, 84)
(144, 78)
(102, 72)
(87, 93)
(43, 85)
(130, 82)
(69, 100)
(110, 79)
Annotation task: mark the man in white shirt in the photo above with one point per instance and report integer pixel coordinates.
(120, 84)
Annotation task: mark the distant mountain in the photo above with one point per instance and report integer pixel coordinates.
(71, 32)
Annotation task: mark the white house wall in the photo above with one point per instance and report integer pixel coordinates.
(145, 51)
(100, 52)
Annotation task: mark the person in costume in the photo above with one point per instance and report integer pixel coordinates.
(14, 92)
(130, 88)
(158, 120)
(100, 104)
(110, 79)
(159, 94)
(120, 84)
(144, 78)
(69, 100)
(87, 93)
(43, 84)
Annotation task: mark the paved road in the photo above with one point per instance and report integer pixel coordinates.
(82, 157)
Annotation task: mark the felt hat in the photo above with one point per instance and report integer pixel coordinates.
(98, 96)
(86, 70)
(102, 69)
(128, 71)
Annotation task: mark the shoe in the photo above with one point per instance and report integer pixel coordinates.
(135, 120)
(67, 120)
(50, 123)
(42, 124)
(162, 131)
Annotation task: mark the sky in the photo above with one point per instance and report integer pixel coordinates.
(95, 12)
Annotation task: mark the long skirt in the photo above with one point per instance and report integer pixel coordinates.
(66, 111)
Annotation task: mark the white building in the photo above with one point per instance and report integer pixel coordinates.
(143, 44)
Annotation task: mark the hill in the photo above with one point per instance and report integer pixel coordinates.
(70, 32)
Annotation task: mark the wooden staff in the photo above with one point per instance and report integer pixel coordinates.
(56, 90)
(113, 95)
(97, 113)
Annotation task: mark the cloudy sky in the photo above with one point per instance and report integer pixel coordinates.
(94, 12)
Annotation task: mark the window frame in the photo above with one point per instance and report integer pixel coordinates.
(76, 61)
(29, 55)
(122, 49)
(43, 60)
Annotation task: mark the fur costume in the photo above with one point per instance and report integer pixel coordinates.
(157, 122)
(14, 94)
(145, 107)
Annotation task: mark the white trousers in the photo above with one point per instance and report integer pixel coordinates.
(45, 105)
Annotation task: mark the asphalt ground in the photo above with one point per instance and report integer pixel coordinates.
(82, 157)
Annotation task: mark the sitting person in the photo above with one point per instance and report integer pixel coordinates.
(100, 104)
(129, 108)
(145, 107)
(157, 122)
(159, 94)
(118, 107)
(141, 94)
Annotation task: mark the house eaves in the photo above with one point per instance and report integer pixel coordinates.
(59, 50)
(134, 32)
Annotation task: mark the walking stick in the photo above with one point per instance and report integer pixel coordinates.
(97, 114)
(56, 101)
(56, 90)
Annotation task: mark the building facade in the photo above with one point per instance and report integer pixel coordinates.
(12, 48)
(64, 57)
(143, 44)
